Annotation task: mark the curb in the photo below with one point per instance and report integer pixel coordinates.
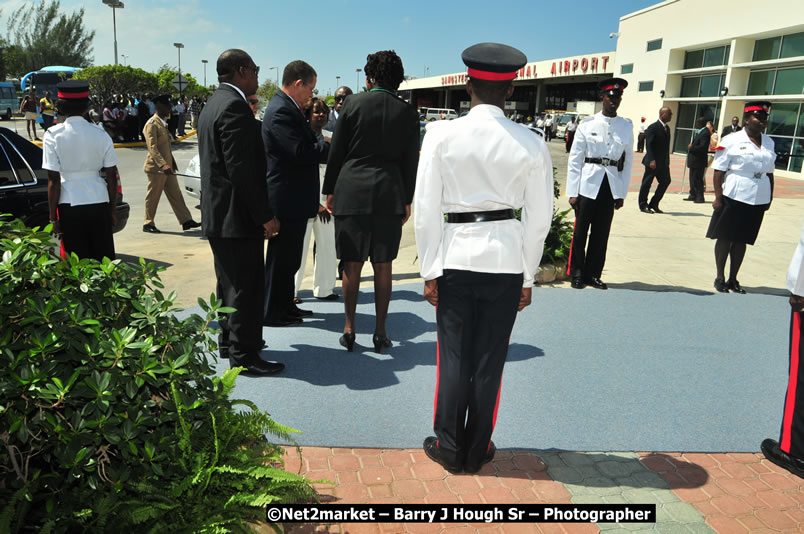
(137, 144)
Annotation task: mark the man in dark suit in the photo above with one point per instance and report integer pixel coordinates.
(656, 161)
(236, 214)
(293, 154)
(340, 97)
(731, 128)
(697, 153)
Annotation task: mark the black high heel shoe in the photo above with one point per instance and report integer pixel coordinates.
(348, 340)
(380, 342)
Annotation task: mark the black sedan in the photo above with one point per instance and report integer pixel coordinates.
(23, 183)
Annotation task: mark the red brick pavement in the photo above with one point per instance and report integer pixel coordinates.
(783, 187)
(734, 492)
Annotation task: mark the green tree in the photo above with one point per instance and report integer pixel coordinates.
(267, 90)
(46, 36)
(107, 80)
(165, 77)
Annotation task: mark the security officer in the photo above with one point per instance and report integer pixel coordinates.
(478, 261)
(788, 452)
(598, 174)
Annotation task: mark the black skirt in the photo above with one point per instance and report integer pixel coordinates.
(736, 221)
(358, 237)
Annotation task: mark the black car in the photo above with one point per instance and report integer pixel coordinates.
(23, 183)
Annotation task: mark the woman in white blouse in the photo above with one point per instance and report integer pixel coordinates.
(80, 198)
(743, 180)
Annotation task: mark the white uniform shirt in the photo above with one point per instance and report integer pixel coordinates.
(482, 162)
(746, 166)
(78, 150)
(795, 273)
(642, 127)
(572, 126)
(599, 136)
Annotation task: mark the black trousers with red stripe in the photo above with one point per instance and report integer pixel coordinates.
(475, 316)
(792, 435)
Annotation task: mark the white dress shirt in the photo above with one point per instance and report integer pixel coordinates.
(482, 162)
(795, 273)
(78, 150)
(746, 166)
(599, 136)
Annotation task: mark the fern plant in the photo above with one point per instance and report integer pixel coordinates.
(111, 416)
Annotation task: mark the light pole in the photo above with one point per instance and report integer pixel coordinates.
(114, 4)
(125, 57)
(337, 82)
(426, 70)
(277, 74)
(357, 87)
(179, 46)
(204, 61)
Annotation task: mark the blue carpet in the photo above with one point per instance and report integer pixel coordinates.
(617, 370)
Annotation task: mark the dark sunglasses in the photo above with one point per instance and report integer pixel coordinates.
(256, 70)
(340, 98)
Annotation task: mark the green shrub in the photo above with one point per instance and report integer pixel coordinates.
(111, 416)
(559, 238)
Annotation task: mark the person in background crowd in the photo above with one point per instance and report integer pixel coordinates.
(236, 213)
(110, 119)
(81, 200)
(340, 97)
(598, 174)
(370, 179)
(173, 120)
(540, 122)
(696, 160)
(641, 136)
(28, 107)
(788, 452)
(569, 133)
(254, 104)
(656, 161)
(181, 120)
(151, 106)
(743, 180)
(714, 141)
(143, 114)
(479, 264)
(731, 128)
(548, 128)
(160, 169)
(321, 226)
(47, 110)
(132, 120)
(95, 114)
(195, 109)
(293, 154)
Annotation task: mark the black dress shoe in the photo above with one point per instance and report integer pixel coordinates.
(734, 285)
(655, 209)
(284, 321)
(471, 469)
(298, 312)
(151, 229)
(690, 198)
(645, 209)
(258, 367)
(597, 283)
(347, 340)
(720, 285)
(699, 201)
(774, 453)
(380, 342)
(189, 225)
(430, 447)
(577, 282)
(334, 296)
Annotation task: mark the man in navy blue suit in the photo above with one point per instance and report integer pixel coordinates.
(293, 154)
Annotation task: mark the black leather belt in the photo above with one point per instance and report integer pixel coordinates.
(480, 216)
(602, 161)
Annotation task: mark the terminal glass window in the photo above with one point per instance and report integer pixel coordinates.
(627, 68)
(787, 131)
(793, 45)
(706, 86)
(789, 82)
(716, 56)
(767, 48)
(690, 86)
(654, 45)
(711, 85)
(646, 86)
(694, 59)
(688, 113)
(760, 82)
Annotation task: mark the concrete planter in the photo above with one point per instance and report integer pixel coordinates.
(545, 274)
(561, 270)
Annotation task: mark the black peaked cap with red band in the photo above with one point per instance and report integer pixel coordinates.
(493, 61)
(612, 86)
(73, 90)
(757, 106)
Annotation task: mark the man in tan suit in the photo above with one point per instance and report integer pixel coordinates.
(160, 168)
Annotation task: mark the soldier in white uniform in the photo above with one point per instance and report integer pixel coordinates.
(478, 261)
(598, 174)
(788, 452)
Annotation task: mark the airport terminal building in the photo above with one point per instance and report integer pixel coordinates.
(698, 58)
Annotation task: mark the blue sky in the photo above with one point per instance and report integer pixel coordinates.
(335, 37)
